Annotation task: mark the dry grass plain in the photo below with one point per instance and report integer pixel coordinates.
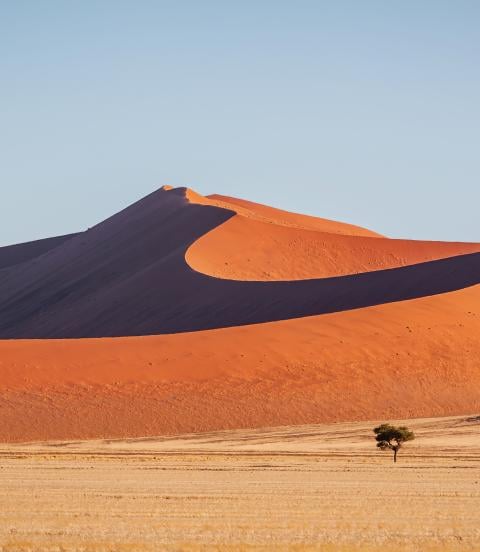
(322, 487)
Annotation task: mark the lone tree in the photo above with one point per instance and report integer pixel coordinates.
(392, 437)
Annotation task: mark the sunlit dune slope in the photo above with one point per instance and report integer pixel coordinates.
(413, 358)
(264, 243)
(248, 249)
(271, 215)
(142, 272)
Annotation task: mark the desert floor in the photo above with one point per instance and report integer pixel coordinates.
(322, 487)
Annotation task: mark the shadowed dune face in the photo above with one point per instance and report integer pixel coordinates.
(129, 276)
(398, 339)
(116, 274)
(12, 255)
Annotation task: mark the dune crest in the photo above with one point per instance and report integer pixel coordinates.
(272, 215)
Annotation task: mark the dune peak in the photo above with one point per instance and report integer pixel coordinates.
(187, 193)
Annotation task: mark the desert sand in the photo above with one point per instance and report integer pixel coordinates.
(398, 339)
(264, 244)
(322, 487)
(136, 273)
(414, 358)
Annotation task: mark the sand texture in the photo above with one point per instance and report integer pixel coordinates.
(398, 339)
(157, 268)
(317, 487)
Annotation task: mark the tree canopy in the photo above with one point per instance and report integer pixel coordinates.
(392, 437)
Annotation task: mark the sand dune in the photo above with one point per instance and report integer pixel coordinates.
(248, 249)
(129, 276)
(264, 213)
(262, 243)
(396, 341)
(12, 255)
(417, 357)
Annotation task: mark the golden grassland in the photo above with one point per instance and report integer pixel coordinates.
(315, 487)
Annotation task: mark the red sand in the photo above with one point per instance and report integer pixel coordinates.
(129, 275)
(264, 213)
(417, 357)
(247, 249)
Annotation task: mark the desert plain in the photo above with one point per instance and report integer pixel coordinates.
(311, 487)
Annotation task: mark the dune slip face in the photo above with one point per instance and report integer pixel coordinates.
(203, 313)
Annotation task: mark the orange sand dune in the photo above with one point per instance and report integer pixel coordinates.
(129, 274)
(263, 243)
(247, 249)
(264, 213)
(361, 326)
(414, 358)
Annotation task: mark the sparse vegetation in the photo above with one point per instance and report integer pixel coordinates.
(390, 437)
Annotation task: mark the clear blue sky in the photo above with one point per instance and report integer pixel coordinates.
(363, 111)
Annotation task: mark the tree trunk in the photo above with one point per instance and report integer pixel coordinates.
(395, 450)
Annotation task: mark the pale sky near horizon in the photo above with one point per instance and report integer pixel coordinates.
(362, 111)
